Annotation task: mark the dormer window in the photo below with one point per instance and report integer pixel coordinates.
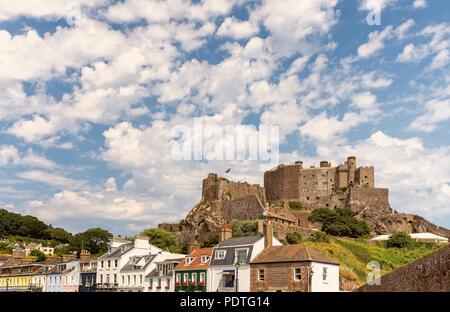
(220, 254)
(204, 259)
(188, 260)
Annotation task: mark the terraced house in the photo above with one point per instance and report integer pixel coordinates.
(191, 274)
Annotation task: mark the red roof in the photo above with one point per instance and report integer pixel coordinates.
(196, 264)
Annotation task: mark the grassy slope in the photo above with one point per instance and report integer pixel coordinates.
(354, 255)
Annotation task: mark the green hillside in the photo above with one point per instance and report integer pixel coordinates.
(355, 254)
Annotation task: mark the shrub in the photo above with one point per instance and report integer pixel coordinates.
(244, 228)
(294, 205)
(399, 240)
(40, 256)
(340, 222)
(319, 237)
(293, 238)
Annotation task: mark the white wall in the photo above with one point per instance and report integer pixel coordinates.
(331, 284)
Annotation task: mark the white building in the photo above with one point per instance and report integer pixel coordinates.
(109, 266)
(161, 278)
(49, 251)
(418, 237)
(230, 264)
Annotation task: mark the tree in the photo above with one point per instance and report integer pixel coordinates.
(95, 240)
(59, 234)
(162, 239)
(210, 241)
(293, 238)
(244, 228)
(340, 222)
(399, 240)
(40, 256)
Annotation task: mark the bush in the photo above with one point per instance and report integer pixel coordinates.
(293, 238)
(340, 222)
(244, 228)
(319, 237)
(162, 239)
(210, 241)
(399, 240)
(40, 256)
(294, 205)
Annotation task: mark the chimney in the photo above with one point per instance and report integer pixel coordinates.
(268, 234)
(192, 246)
(225, 232)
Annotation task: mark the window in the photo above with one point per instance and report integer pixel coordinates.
(241, 256)
(140, 279)
(159, 283)
(185, 279)
(103, 264)
(204, 259)
(202, 278)
(188, 260)
(298, 274)
(261, 274)
(167, 283)
(115, 278)
(324, 274)
(129, 279)
(178, 278)
(109, 263)
(194, 279)
(220, 254)
(107, 278)
(123, 279)
(134, 279)
(101, 278)
(116, 263)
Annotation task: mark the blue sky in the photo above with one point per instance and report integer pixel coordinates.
(91, 90)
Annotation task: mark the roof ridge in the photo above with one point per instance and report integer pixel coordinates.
(307, 253)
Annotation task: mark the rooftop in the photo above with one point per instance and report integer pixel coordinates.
(292, 253)
(238, 241)
(196, 263)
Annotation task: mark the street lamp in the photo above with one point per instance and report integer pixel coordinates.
(310, 275)
(237, 275)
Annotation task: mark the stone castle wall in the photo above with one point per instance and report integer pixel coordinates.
(218, 188)
(280, 230)
(429, 273)
(282, 183)
(376, 199)
(245, 208)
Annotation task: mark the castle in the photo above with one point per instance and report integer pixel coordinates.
(326, 186)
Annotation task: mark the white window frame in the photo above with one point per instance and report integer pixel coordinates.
(220, 254)
(324, 273)
(295, 274)
(189, 260)
(263, 275)
(204, 259)
(202, 277)
(236, 255)
(194, 278)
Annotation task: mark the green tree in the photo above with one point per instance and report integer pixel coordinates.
(40, 256)
(95, 240)
(295, 205)
(244, 228)
(59, 234)
(340, 222)
(293, 238)
(210, 241)
(162, 239)
(399, 240)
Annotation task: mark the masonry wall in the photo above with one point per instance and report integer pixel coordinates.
(245, 208)
(373, 198)
(278, 277)
(282, 183)
(365, 176)
(429, 273)
(218, 188)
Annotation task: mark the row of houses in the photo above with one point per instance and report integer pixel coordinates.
(236, 264)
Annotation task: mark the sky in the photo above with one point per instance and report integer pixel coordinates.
(92, 90)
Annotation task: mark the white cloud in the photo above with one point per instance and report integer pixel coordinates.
(8, 154)
(420, 4)
(436, 111)
(375, 5)
(50, 178)
(231, 27)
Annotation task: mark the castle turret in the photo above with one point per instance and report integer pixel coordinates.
(351, 162)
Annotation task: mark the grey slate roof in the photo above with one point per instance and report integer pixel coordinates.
(230, 246)
(131, 267)
(237, 241)
(116, 253)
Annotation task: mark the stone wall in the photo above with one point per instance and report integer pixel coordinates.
(282, 183)
(219, 188)
(429, 273)
(367, 197)
(278, 277)
(411, 223)
(245, 208)
(281, 229)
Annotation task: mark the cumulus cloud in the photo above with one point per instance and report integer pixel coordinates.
(436, 111)
(231, 27)
(420, 4)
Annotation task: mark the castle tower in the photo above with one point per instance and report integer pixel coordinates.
(351, 162)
